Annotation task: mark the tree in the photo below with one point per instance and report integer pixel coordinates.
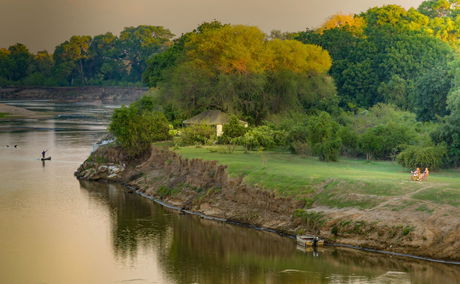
(440, 8)
(135, 129)
(236, 69)
(105, 59)
(386, 140)
(323, 136)
(137, 44)
(362, 61)
(431, 94)
(396, 92)
(158, 64)
(354, 24)
(19, 59)
(230, 49)
(448, 133)
(69, 58)
(294, 56)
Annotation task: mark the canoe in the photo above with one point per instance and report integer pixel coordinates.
(46, 159)
(309, 241)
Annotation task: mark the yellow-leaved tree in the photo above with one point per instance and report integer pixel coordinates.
(292, 55)
(354, 23)
(230, 49)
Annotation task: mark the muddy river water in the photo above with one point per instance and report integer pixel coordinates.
(55, 229)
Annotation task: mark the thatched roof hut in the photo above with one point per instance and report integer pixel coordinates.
(211, 117)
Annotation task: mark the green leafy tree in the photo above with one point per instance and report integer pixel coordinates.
(19, 60)
(233, 129)
(396, 92)
(448, 133)
(235, 69)
(385, 141)
(105, 61)
(135, 129)
(159, 64)
(137, 44)
(431, 92)
(440, 8)
(69, 58)
(323, 136)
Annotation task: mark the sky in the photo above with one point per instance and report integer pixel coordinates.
(43, 24)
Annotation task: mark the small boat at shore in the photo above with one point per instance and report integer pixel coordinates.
(46, 159)
(309, 241)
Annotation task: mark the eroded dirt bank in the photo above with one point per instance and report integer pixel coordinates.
(205, 187)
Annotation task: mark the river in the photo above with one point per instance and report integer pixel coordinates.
(55, 229)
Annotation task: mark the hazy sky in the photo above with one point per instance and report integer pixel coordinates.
(42, 24)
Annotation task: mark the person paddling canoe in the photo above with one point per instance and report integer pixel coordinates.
(44, 153)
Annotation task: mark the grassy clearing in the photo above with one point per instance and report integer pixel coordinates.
(3, 114)
(347, 183)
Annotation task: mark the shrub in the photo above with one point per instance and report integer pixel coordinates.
(314, 134)
(135, 130)
(233, 129)
(385, 141)
(262, 137)
(329, 149)
(323, 135)
(349, 141)
(422, 157)
(301, 148)
(197, 134)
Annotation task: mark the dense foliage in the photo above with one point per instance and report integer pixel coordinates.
(137, 126)
(236, 69)
(422, 157)
(197, 134)
(104, 59)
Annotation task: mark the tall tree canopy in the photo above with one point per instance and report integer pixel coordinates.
(390, 61)
(238, 69)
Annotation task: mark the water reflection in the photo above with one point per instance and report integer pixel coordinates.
(193, 250)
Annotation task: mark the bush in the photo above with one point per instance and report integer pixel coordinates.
(197, 134)
(233, 129)
(135, 130)
(329, 149)
(323, 135)
(262, 137)
(422, 157)
(349, 141)
(314, 134)
(301, 148)
(385, 141)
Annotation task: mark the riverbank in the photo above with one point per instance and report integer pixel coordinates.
(74, 94)
(340, 210)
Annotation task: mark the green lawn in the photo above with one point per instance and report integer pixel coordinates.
(346, 183)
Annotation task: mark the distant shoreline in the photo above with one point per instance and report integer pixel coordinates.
(74, 94)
